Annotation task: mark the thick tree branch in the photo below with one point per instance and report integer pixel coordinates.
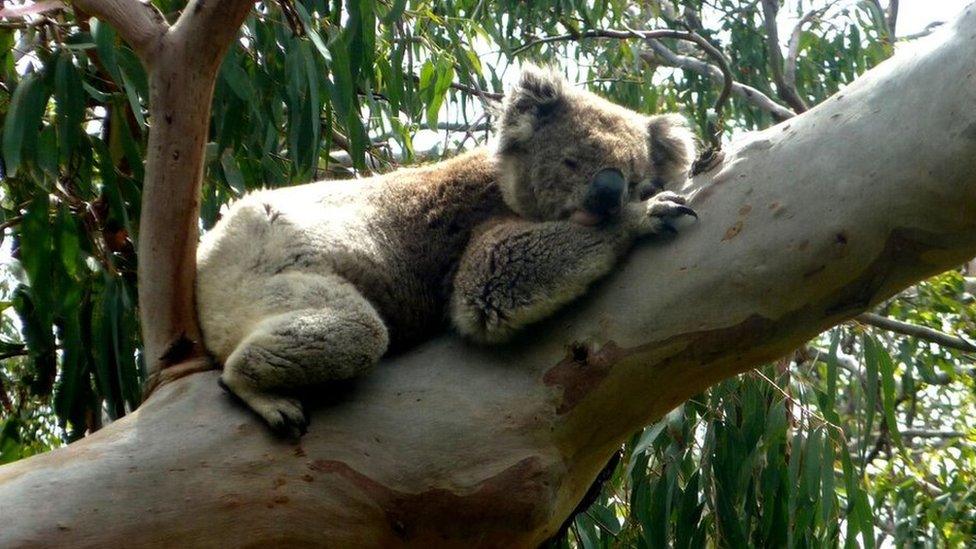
(919, 332)
(138, 23)
(784, 89)
(805, 225)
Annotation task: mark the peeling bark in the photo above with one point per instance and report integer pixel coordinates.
(458, 445)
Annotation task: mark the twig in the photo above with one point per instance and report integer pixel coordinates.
(14, 353)
(12, 222)
(291, 17)
(916, 331)
(793, 48)
(930, 433)
(471, 90)
(891, 17)
(785, 91)
(661, 54)
(929, 29)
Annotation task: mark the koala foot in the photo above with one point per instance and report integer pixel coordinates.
(664, 211)
(286, 416)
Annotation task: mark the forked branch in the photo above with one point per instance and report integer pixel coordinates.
(140, 24)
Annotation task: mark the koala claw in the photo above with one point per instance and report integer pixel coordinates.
(664, 210)
(286, 416)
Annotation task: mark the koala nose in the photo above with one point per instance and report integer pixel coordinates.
(606, 192)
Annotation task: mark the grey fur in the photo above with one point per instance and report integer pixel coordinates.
(315, 283)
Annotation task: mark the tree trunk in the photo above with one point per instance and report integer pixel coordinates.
(803, 226)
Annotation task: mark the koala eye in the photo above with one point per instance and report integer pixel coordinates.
(571, 163)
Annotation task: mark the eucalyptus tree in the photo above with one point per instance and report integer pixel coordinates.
(127, 126)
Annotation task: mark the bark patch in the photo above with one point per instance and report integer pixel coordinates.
(578, 377)
(500, 507)
(970, 132)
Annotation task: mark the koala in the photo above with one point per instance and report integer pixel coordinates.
(311, 284)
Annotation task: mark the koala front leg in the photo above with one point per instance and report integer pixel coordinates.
(518, 272)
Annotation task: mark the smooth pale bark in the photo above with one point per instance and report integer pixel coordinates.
(182, 62)
(805, 225)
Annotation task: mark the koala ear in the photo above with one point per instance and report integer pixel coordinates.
(536, 96)
(672, 148)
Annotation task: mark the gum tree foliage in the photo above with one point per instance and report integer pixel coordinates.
(858, 437)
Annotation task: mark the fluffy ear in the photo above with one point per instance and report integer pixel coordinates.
(538, 94)
(672, 146)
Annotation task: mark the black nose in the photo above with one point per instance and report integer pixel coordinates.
(606, 192)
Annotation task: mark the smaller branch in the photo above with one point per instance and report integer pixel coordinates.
(14, 353)
(891, 17)
(493, 96)
(786, 90)
(929, 29)
(139, 23)
(929, 433)
(291, 17)
(12, 222)
(793, 48)
(663, 55)
(450, 127)
(206, 28)
(919, 332)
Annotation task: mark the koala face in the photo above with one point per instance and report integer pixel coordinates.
(570, 154)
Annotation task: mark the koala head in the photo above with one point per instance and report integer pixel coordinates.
(569, 154)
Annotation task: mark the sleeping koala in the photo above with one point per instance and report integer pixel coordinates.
(314, 283)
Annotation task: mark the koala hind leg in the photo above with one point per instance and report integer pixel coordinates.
(317, 328)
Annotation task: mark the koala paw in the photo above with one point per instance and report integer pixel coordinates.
(286, 416)
(664, 212)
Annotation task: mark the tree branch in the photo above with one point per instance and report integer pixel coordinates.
(140, 24)
(661, 54)
(929, 29)
(916, 331)
(494, 96)
(206, 29)
(786, 91)
(930, 433)
(181, 80)
(793, 48)
(891, 16)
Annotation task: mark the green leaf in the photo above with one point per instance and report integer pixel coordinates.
(69, 97)
(21, 126)
(876, 353)
(237, 78)
(689, 514)
(232, 173)
(871, 389)
(105, 45)
(135, 82)
(312, 33)
(396, 11)
(444, 78)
